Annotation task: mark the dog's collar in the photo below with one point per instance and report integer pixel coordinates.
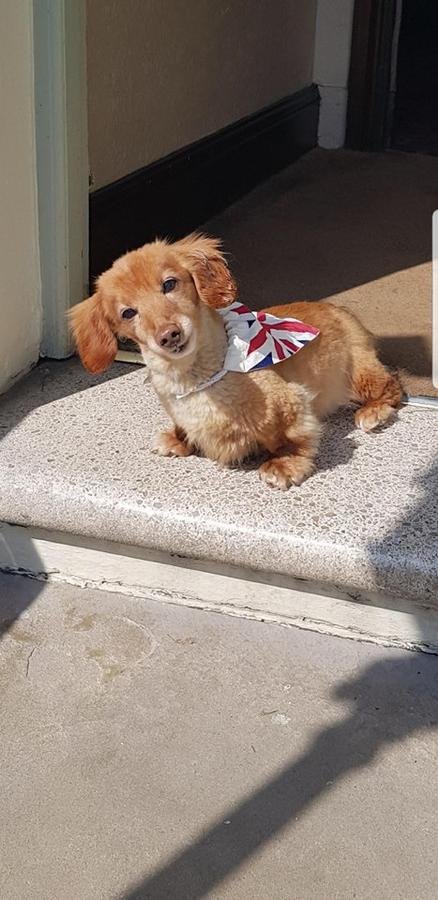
(256, 340)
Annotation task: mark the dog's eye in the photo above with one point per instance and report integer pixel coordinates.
(168, 285)
(129, 313)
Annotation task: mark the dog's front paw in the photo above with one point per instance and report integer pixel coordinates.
(283, 471)
(171, 443)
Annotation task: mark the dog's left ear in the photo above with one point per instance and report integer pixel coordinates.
(203, 258)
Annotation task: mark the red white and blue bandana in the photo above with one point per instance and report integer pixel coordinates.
(257, 340)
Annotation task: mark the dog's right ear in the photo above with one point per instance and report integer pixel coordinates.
(206, 263)
(95, 340)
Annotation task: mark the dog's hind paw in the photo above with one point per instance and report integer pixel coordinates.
(372, 415)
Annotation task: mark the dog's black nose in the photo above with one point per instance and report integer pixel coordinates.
(170, 338)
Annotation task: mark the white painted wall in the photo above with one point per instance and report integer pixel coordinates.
(334, 21)
(20, 289)
(165, 73)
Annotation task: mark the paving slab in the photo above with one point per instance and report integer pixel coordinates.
(153, 752)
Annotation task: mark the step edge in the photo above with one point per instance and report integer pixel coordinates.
(327, 609)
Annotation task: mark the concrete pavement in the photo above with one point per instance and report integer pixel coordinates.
(151, 751)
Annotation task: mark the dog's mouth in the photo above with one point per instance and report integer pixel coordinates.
(180, 348)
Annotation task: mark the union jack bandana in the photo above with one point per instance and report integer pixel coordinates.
(257, 340)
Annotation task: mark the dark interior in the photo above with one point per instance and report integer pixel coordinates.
(415, 124)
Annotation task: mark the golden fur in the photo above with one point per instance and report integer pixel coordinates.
(183, 341)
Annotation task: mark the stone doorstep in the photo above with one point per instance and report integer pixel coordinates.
(352, 551)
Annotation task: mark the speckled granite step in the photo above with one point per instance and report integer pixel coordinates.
(75, 457)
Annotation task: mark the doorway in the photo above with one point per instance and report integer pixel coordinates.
(393, 80)
(415, 121)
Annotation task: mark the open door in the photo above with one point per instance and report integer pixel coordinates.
(393, 83)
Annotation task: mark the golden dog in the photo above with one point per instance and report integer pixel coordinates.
(165, 296)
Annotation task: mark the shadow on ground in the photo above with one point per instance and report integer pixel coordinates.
(390, 701)
(409, 354)
(388, 705)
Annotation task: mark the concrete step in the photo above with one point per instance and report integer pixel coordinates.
(77, 474)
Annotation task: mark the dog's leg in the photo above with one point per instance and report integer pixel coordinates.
(376, 389)
(294, 462)
(172, 443)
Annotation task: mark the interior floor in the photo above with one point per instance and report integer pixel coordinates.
(353, 228)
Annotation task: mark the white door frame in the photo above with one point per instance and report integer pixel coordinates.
(333, 31)
(62, 163)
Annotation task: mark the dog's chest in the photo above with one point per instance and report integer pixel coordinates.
(208, 413)
(198, 413)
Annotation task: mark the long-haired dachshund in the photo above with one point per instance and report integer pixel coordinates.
(165, 298)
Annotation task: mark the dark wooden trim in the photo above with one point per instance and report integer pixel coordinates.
(369, 100)
(173, 196)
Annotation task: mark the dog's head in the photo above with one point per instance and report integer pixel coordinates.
(152, 296)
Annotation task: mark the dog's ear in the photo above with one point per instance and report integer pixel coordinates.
(95, 340)
(203, 258)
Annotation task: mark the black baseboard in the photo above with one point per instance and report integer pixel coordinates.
(179, 193)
